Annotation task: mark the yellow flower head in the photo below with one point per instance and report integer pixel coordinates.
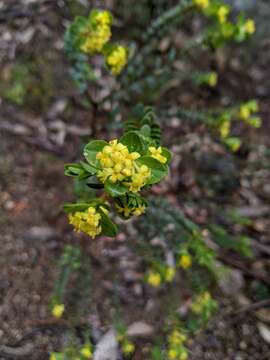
(212, 79)
(98, 33)
(117, 59)
(222, 13)
(200, 302)
(128, 347)
(250, 27)
(185, 261)
(58, 310)
(244, 112)
(52, 356)
(103, 18)
(127, 212)
(156, 153)
(172, 354)
(119, 165)
(86, 352)
(225, 129)
(87, 221)
(139, 178)
(154, 278)
(202, 4)
(169, 274)
(176, 338)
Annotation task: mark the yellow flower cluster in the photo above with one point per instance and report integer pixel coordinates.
(176, 349)
(225, 129)
(202, 4)
(127, 347)
(98, 34)
(156, 153)
(58, 310)
(127, 212)
(154, 278)
(247, 110)
(222, 13)
(86, 351)
(87, 221)
(118, 164)
(169, 274)
(201, 302)
(250, 27)
(117, 59)
(185, 261)
(212, 79)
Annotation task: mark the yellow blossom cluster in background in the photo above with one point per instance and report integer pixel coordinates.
(87, 221)
(116, 59)
(201, 302)
(250, 27)
(202, 4)
(246, 112)
(86, 351)
(222, 13)
(99, 32)
(58, 310)
(185, 261)
(176, 348)
(118, 164)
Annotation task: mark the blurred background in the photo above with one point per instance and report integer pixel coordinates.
(45, 119)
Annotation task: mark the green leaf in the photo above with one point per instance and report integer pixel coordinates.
(167, 154)
(90, 169)
(91, 149)
(133, 142)
(158, 170)
(115, 189)
(75, 170)
(71, 208)
(108, 227)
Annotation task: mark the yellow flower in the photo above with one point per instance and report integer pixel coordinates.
(87, 221)
(176, 338)
(244, 112)
(172, 354)
(250, 27)
(58, 310)
(104, 18)
(212, 79)
(117, 59)
(202, 4)
(183, 355)
(116, 161)
(139, 210)
(185, 261)
(200, 302)
(223, 13)
(169, 274)
(156, 153)
(86, 351)
(98, 34)
(154, 278)
(128, 347)
(52, 356)
(139, 178)
(225, 129)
